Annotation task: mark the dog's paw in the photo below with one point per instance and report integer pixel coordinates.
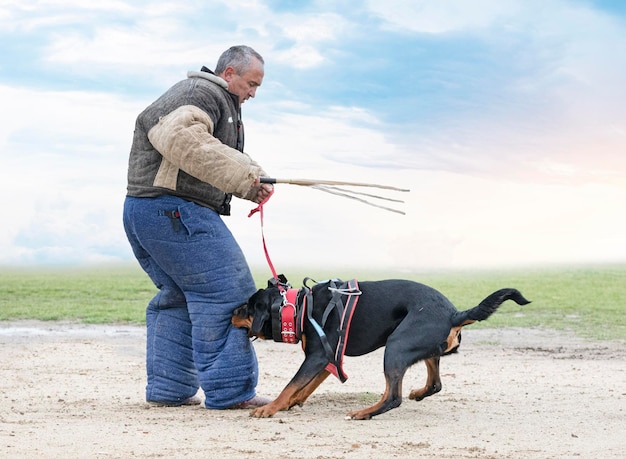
(417, 395)
(263, 412)
(358, 416)
(427, 391)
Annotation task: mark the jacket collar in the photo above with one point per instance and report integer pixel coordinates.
(208, 76)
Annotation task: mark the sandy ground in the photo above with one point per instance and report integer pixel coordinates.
(76, 391)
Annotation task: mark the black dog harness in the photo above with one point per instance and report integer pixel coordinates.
(289, 311)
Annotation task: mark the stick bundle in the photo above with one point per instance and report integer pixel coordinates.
(330, 186)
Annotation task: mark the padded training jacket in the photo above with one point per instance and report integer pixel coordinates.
(189, 143)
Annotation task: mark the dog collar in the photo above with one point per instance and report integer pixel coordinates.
(287, 315)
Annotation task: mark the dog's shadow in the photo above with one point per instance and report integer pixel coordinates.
(344, 400)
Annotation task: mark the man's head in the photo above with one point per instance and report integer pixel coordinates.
(242, 68)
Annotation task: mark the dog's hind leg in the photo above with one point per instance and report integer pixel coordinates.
(433, 381)
(392, 398)
(398, 357)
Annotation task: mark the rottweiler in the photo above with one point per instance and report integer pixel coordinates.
(413, 321)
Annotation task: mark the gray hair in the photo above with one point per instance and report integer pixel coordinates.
(237, 57)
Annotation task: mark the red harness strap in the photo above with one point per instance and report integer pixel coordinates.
(336, 367)
(288, 318)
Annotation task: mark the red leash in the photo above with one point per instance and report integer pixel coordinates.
(259, 209)
(288, 311)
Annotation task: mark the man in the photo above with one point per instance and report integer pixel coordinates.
(186, 161)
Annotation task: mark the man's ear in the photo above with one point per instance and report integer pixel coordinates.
(228, 73)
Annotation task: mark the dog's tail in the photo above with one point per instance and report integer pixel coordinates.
(488, 306)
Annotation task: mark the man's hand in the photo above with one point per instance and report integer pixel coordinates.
(264, 191)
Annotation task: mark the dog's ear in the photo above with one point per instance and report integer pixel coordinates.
(282, 279)
(258, 309)
(258, 321)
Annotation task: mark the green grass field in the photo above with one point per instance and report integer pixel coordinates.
(589, 301)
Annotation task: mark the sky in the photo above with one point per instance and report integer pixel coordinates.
(505, 118)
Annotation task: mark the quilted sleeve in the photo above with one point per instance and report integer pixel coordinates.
(184, 138)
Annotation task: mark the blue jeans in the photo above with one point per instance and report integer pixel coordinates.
(202, 276)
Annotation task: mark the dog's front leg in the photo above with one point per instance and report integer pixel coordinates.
(310, 375)
(301, 397)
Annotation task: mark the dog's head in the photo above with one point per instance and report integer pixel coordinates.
(256, 314)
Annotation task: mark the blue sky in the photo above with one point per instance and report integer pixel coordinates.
(505, 118)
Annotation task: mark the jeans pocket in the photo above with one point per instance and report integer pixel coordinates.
(198, 220)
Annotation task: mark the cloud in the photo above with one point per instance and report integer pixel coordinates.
(505, 119)
(535, 103)
(444, 16)
(64, 164)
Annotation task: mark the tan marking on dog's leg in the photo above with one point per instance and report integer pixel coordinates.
(301, 396)
(367, 412)
(282, 402)
(303, 341)
(453, 338)
(433, 381)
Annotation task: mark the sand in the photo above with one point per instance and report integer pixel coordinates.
(76, 391)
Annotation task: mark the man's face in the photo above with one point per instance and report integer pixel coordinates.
(244, 85)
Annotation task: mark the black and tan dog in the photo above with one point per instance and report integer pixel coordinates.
(415, 322)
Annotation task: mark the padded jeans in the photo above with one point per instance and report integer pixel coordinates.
(202, 276)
